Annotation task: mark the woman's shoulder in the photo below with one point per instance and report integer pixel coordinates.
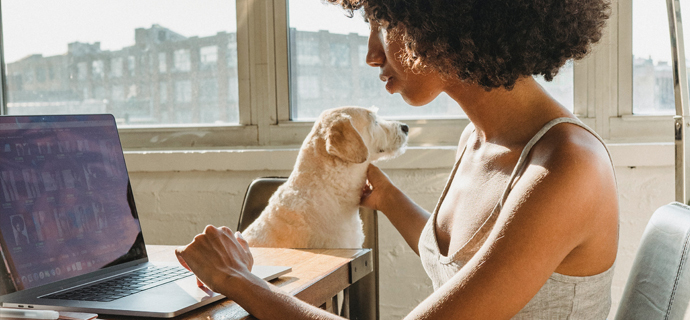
(572, 147)
(575, 164)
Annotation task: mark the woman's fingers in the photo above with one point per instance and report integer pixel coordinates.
(245, 246)
(184, 264)
(215, 254)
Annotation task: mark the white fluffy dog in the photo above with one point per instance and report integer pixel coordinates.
(318, 205)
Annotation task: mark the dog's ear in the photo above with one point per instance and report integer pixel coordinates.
(344, 142)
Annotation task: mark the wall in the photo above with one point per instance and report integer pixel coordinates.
(178, 193)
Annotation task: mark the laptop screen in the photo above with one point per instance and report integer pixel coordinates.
(66, 206)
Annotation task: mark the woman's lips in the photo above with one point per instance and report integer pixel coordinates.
(388, 81)
(389, 85)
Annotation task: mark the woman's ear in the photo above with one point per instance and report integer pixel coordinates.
(345, 142)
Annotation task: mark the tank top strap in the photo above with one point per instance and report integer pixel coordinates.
(522, 161)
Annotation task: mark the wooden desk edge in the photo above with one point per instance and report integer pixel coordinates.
(322, 288)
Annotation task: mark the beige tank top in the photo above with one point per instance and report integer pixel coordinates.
(561, 297)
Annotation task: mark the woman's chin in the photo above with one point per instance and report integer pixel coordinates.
(416, 101)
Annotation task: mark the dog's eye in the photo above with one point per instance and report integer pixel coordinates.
(380, 150)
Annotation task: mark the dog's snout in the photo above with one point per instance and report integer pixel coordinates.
(405, 128)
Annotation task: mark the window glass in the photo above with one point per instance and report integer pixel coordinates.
(652, 61)
(328, 69)
(141, 65)
(162, 62)
(97, 69)
(183, 91)
(208, 57)
(652, 76)
(182, 60)
(163, 92)
(561, 87)
(131, 65)
(116, 67)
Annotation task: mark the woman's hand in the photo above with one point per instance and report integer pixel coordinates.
(217, 256)
(375, 188)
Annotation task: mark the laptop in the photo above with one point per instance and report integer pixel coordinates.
(70, 236)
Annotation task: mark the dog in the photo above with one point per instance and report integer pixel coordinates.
(317, 207)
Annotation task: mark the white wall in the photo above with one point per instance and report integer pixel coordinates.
(178, 193)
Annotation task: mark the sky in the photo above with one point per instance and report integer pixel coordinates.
(47, 26)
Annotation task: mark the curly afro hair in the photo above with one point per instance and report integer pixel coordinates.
(489, 42)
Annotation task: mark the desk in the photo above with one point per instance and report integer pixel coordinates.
(317, 275)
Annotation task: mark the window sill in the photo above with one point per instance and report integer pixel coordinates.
(276, 158)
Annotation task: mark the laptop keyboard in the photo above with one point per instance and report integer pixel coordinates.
(122, 286)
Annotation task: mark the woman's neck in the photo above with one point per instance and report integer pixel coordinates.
(507, 116)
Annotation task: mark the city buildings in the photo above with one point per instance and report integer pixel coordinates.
(164, 78)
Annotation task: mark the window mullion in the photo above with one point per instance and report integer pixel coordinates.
(262, 67)
(282, 62)
(625, 64)
(580, 89)
(243, 69)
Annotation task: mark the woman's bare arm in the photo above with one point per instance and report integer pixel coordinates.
(405, 215)
(563, 205)
(222, 261)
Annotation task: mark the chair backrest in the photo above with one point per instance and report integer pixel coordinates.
(659, 284)
(256, 199)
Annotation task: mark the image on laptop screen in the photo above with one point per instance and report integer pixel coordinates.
(66, 206)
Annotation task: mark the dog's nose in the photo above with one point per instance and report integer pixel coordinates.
(405, 128)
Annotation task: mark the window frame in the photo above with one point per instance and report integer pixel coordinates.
(602, 92)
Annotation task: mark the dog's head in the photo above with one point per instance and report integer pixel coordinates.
(358, 135)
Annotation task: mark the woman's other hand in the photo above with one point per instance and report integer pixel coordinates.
(375, 189)
(217, 256)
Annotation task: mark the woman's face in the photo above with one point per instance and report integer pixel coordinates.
(416, 88)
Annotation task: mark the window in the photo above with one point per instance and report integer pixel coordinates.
(561, 87)
(233, 92)
(308, 87)
(82, 71)
(131, 65)
(132, 93)
(183, 91)
(651, 57)
(118, 93)
(162, 62)
(182, 60)
(208, 90)
(97, 69)
(317, 86)
(272, 79)
(340, 54)
(362, 50)
(208, 57)
(308, 51)
(120, 57)
(163, 92)
(116, 67)
(231, 54)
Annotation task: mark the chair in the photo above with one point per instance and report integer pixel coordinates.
(256, 199)
(365, 292)
(659, 284)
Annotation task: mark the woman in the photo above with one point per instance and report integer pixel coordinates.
(527, 226)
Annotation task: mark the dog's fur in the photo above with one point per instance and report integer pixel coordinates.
(318, 205)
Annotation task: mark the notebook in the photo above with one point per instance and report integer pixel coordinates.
(70, 236)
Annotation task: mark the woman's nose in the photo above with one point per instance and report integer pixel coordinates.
(375, 55)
